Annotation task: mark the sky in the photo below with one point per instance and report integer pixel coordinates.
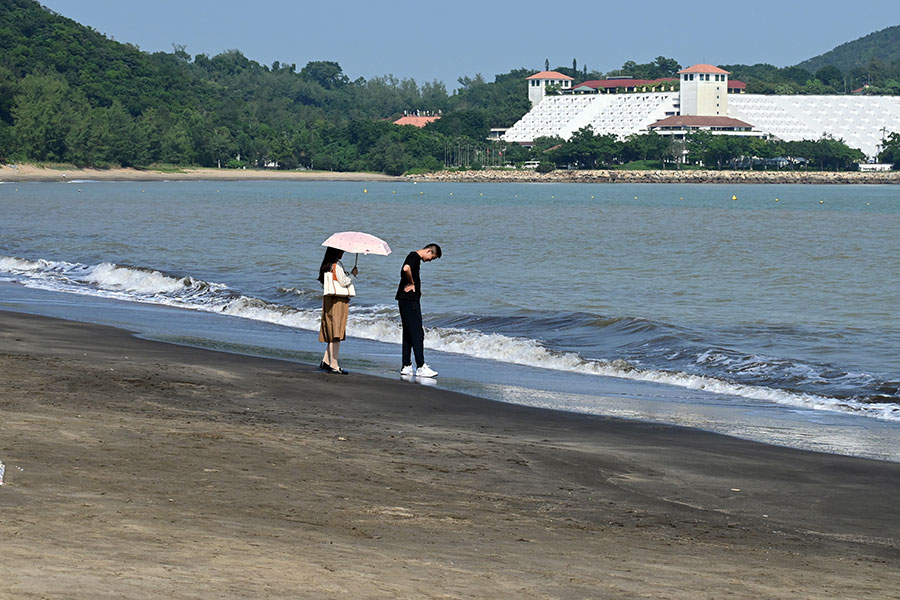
(443, 41)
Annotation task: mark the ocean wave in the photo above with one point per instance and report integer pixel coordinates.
(494, 338)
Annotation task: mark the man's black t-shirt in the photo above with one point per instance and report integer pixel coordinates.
(413, 260)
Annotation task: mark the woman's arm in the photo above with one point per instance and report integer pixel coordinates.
(340, 276)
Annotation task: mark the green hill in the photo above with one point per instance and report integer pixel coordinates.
(70, 94)
(882, 46)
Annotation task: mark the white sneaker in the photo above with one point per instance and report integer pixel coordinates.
(407, 370)
(425, 371)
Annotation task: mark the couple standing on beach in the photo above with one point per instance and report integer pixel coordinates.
(337, 289)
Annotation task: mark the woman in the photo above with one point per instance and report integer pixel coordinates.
(337, 289)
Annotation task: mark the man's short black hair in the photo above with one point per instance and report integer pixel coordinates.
(435, 248)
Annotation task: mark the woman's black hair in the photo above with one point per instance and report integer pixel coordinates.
(332, 255)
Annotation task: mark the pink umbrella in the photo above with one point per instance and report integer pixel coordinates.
(358, 242)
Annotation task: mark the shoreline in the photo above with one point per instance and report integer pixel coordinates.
(27, 173)
(666, 176)
(162, 471)
(31, 173)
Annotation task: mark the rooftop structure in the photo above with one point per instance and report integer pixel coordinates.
(692, 122)
(681, 125)
(416, 120)
(612, 85)
(704, 90)
(537, 84)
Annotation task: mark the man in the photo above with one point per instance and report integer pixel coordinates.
(409, 294)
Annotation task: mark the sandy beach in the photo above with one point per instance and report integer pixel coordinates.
(137, 469)
(25, 172)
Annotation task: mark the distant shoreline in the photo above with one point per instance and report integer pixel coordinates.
(673, 176)
(25, 172)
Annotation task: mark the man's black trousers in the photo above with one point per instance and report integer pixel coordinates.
(413, 333)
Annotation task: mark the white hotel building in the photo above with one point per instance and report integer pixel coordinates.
(704, 102)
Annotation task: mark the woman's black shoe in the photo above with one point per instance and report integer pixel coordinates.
(339, 371)
(323, 366)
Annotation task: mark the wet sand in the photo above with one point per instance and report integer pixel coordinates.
(137, 469)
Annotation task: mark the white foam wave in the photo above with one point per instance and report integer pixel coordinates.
(381, 323)
(531, 353)
(113, 277)
(11, 264)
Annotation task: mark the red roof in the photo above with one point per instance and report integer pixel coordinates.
(734, 83)
(623, 82)
(550, 75)
(417, 121)
(698, 121)
(703, 69)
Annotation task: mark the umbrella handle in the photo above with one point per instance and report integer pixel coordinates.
(356, 261)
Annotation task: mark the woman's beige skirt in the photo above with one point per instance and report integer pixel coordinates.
(334, 318)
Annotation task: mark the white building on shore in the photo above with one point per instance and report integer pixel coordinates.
(538, 83)
(861, 121)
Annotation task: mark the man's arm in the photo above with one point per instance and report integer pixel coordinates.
(407, 273)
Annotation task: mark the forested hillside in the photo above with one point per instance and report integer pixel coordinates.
(68, 93)
(878, 48)
(870, 64)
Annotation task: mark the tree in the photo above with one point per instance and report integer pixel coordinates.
(815, 87)
(470, 123)
(890, 151)
(468, 82)
(666, 67)
(661, 67)
(648, 146)
(6, 141)
(714, 150)
(41, 118)
(326, 73)
(831, 76)
(543, 144)
(587, 150)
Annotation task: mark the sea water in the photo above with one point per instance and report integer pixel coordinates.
(763, 311)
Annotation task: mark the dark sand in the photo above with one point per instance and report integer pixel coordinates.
(143, 470)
